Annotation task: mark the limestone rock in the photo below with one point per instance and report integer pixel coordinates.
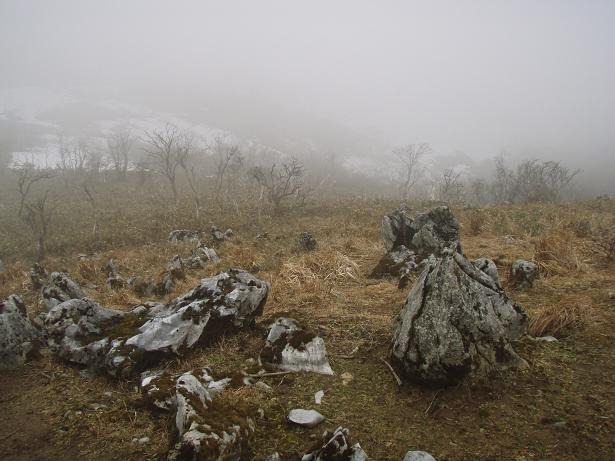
(456, 321)
(418, 456)
(123, 343)
(184, 235)
(523, 274)
(306, 241)
(201, 257)
(60, 288)
(38, 276)
(305, 418)
(289, 347)
(206, 429)
(218, 236)
(487, 266)
(410, 241)
(18, 337)
(336, 446)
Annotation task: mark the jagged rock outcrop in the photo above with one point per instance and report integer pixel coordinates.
(59, 288)
(207, 430)
(124, 343)
(487, 266)
(409, 241)
(19, 339)
(523, 274)
(456, 321)
(184, 235)
(291, 348)
(336, 446)
(306, 241)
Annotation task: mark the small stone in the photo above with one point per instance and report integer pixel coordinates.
(546, 339)
(318, 397)
(305, 418)
(418, 456)
(346, 378)
(260, 385)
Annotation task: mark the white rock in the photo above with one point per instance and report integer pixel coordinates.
(418, 456)
(318, 397)
(305, 418)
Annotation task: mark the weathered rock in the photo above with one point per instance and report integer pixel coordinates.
(19, 339)
(523, 274)
(114, 279)
(38, 276)
(141, 286)
(289, 347)
(305, 418)
(410, 241)
(206, 429)
(220, 236)
(336, 446)
(123, 343)
(201, 257)
(456, 321)
(184, 235)
(60, 288)
(306, 241)
(396, 228)
(397, 262)
(418, 456)
(487, 266)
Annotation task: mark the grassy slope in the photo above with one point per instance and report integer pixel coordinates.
(561, 408)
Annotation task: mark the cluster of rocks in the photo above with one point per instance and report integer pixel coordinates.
(206, 428)
(457, 320)
(114, 279)
(409, 242)
(124, 343)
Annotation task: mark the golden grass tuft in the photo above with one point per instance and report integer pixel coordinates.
(556, 254)
(561, 320)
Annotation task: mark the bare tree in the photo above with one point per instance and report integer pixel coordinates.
(411, 169)
(188, 162)
(72, 157)
(37, 215)
(279, 183)
(119, 144)
(450, 186)
(27, 175)
(163, 147)
(228, 157)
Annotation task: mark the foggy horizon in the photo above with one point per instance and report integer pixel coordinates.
(532, 80)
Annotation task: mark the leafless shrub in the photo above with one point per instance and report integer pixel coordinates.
(476, 220)
(410, 168)
(28, 175)
(37, 215)
(163, 147)
(279, 183)
(450, 187)
(119, 144)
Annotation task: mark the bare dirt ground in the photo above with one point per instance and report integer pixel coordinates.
(561, 408)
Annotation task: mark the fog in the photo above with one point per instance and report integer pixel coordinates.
(532, 79)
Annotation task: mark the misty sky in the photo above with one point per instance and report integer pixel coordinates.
(476, 76)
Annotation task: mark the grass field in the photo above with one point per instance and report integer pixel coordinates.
(561, 408)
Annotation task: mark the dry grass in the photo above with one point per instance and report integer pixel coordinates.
(557, 253)
(561, 320)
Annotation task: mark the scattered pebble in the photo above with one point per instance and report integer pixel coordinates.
(346, 378)
(318, 397)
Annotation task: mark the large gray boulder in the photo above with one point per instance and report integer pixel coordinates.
(410, 241)
(206, 429)
(336, 446)
(523, 274)
(18, 337)
(456, 321)
(291, 348)
(123, 343)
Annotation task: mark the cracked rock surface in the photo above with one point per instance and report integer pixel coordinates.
(124, 343)
(18, 337)
(456, 321)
